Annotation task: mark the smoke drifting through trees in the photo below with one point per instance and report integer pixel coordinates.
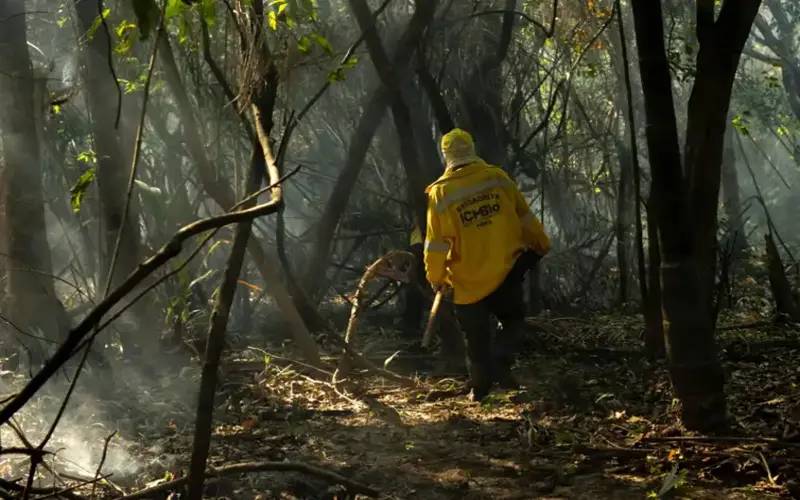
(363, 91)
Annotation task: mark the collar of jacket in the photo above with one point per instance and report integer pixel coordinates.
(458, 172)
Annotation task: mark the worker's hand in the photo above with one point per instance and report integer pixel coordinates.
(438, 287)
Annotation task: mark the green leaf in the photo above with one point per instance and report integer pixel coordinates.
(208, 9)
(96, 23)
(323, 42)
(146, 15)
(739, 122)
(304, 44)
(78, 191)
(272, 20)
(174, 9)
(338, 74)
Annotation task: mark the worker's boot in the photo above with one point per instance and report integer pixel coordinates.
(480, 382)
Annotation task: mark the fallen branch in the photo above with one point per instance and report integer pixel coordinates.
(68, 491)
(248, 467)
(613, 452)
(722, 439)
(745, 326)
(144, 270)
(12, 486)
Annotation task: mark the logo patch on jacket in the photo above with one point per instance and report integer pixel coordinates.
(479, 210)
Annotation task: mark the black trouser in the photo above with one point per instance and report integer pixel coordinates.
(488, 363)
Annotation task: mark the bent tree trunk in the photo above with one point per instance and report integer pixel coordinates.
(685, 207)
(31, 302)
(416, 176)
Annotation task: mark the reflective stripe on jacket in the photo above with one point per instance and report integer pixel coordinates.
(478, 224)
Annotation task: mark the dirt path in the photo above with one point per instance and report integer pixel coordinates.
(579, 428)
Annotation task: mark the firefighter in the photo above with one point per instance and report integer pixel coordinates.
(481, 238)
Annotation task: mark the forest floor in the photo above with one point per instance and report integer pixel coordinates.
(594, 419)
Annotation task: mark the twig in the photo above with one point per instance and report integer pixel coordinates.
(766, 469)
(137, 151)
(244, 468)
(745, 326)
(110, 52)
(102, 462)
(292, 361)
(341, 64)
(37, 459)
(613, 452)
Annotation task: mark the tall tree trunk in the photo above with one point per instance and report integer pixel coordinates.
(481, 96)
(113, 144)
(31, 302)
(622, 227)
(785, 302)
(731, 198)
(444, 119)
(721, 46)
(650, 295)
(685, 207)
(653, 315)
(263, 108)
(314, 280)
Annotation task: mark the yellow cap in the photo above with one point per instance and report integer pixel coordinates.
(458, 148)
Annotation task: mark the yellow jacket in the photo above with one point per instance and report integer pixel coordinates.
(478, 224)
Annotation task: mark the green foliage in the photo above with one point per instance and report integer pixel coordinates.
(86, 179)
(740, 123)
(97, 22)
(208, 9)
(338, 75)
(124, 32)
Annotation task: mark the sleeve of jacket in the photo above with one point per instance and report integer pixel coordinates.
(532, 228)
(438, 239)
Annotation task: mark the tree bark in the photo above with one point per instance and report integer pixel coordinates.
(31, 302)
(653, 315)
(214, 346)
(721, 46)
(685, 206)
